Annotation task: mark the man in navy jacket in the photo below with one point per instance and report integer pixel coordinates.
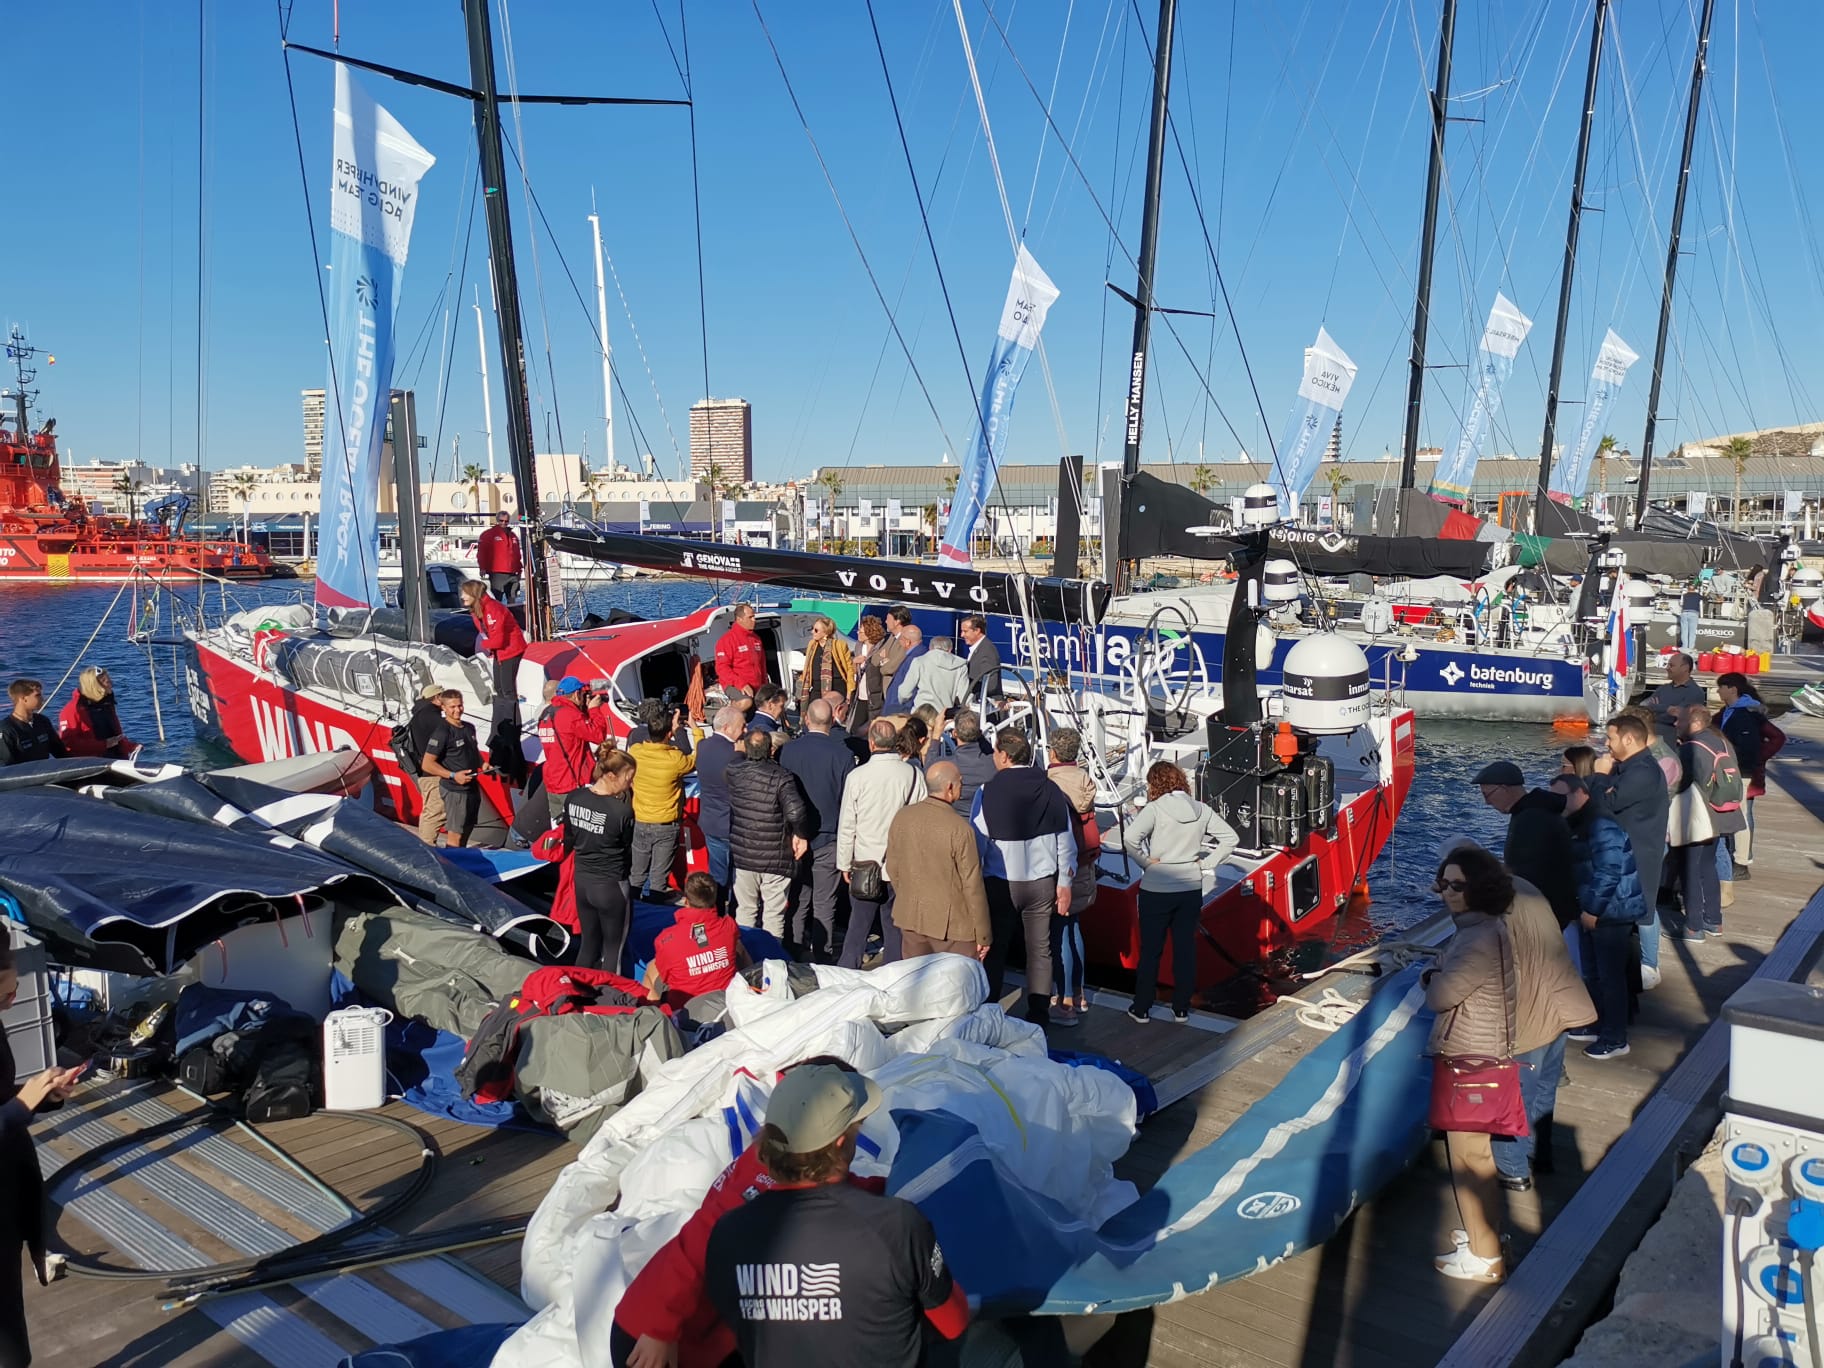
(821, 761)
(1614, 905)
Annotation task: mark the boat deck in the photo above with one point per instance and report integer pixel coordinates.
(1368, 1298)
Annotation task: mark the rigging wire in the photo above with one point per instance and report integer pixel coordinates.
(848, 224)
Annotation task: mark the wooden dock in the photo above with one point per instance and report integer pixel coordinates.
(1370, 1297)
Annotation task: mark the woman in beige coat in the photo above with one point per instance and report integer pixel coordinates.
(1472, 990)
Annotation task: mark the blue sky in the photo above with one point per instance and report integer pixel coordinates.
(1303, 124)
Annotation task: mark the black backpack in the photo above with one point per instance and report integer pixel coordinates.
(284, 1083)
(401, 737)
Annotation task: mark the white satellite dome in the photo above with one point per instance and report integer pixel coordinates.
(1259, 505)
(1282, 582)
(1326, 685)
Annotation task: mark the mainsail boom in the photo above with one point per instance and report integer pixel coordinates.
(932, 586)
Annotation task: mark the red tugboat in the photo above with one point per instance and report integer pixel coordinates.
(46, 535)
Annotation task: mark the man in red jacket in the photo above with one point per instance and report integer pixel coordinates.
(741, 655)
(569, 732)
(499, 556)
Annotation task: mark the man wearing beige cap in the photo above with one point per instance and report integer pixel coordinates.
(816, 1271)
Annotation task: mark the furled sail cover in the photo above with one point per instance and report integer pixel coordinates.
(924, 586)
(1344, 1121)
(1158, 512)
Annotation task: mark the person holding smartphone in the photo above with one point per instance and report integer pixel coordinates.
(22, 1209)
(453, 754)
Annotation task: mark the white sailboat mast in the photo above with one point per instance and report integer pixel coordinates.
(487, 402)
(601, 323)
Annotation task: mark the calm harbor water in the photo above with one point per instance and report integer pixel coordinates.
(43, 629)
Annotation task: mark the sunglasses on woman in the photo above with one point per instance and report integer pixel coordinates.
(1452, 885)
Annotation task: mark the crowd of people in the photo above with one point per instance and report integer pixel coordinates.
(1558, 937)
(813, 826)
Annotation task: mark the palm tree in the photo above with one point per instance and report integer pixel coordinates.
(472, 476)
(1604, 449)
(1738, 451)
(715, 490)
(831, 480)
(1203, 480)
(1338, 480)
(593, 480)
(132, 488)
(242, 485)
(928, 518)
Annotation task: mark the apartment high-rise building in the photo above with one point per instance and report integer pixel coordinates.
(313, 432)
(722, 435)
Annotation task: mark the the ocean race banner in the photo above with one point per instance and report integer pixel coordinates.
(1030, 295)
(1507, 329)
(1328, 375)
(372, 200)
(1571, 476)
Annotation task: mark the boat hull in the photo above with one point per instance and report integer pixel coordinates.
(1281, 899)
(23, 558)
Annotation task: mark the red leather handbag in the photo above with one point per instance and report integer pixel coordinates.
(1479, 1092)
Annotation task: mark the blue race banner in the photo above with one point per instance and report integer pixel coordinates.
(372, 199)
(1507, 329)
(1030, 295)
(1328, 375)
(1571, 476)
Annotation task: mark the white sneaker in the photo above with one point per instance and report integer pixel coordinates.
(1460, 1263)
(1649, 978)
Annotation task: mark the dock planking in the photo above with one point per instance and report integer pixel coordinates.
(1367, 1299)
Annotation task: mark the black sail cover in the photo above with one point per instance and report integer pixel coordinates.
(933, 586)
(145, 876)
(1158, 512)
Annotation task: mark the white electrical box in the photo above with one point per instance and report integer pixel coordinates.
(1773, 1157)
(354, 1059)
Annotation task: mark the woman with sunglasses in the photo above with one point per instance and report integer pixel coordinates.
(1472, 990)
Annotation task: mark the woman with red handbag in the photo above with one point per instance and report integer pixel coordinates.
(1475, 1089)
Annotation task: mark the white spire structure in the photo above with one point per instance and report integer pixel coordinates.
(601, 324)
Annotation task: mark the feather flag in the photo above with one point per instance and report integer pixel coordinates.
(1621, 642)
(1030, 294)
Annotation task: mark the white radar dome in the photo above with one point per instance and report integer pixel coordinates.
(1259, 506)
(1807, 585)
(1326, 685)
(1282, 581)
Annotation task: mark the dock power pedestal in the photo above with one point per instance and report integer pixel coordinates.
(1773, 1155)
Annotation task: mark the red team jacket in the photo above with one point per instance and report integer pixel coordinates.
(569, 734)
(497, 630)
(740, 659)
(696, 953)
(498, 552)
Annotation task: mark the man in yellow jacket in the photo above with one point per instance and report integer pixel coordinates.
(658, 803)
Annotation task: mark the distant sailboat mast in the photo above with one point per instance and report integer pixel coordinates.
(1698, 65)
(487, 400)
(1570, 260)
(601, 327)
(1428, 241)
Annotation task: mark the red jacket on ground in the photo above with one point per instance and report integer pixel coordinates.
(740, 659)
(569, 735)
(498, 552)
(497, 630)
(667, 1299)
